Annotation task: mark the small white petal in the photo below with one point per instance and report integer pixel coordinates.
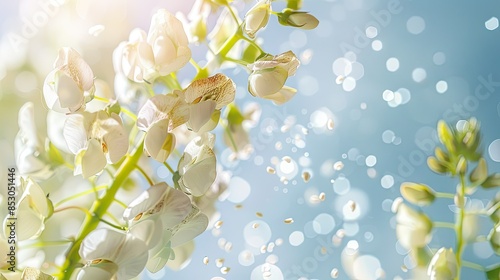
(200, 114)
(146, 201)
(93, 159)
(176, 207)
(188, 231)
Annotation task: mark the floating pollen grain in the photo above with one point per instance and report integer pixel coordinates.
(306, 176)
(219, 262)
(218, 224)
(340, 79)
(224, 270)
(334, 273)
(289, 221)
(205, 260)
(259, 214)
(266, 274)
(270, 170)
(338, 165)
(330, 124)
(263, 249)
(404, 268)
(238, 206)
(287, 159)
(279, 242)
(322, 196)
(352, 205)
(255, 225)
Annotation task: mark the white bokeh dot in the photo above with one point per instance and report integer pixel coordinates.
(418, 75)
(415, 25)
(494, 150)
(441, 87)
(491, 24)
(392, 64)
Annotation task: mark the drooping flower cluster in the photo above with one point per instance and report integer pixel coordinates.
(103, 137)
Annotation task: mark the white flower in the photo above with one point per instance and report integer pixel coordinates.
(413, 228)
(35, 274)
(163, 51)
(170, 204)
(206, 97)
(70, 85)
(269, 75)
(110, 253)
(257, 17)
(172, 211)
(197, 166)
(29, 148)
(158, 117)
(96, 139)
(302, 20)
(34, 207)
(443, 265)
(224, 28)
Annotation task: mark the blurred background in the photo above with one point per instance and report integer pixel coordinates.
(376, 76)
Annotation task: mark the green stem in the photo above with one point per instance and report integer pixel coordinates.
(252, 42)
(128, 113)
(237, 61)
(144, 174)
(445, 195)
(169, 167)
(79, 195)
(98, 209)
(473, 265)
(444, 225)
(43, 244)
(113, 225)
(460, 225)
(233, 15)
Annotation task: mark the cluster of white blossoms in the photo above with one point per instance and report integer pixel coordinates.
(103, 136)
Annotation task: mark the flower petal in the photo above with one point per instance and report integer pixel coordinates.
(116, 138)
(189, 230)
(200, 114)
(159, 143)
(93, 159)
(176, 206)
(75, 132)
(218, 88)
(146, 201)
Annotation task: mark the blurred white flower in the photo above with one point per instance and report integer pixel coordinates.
(163, 51)
(205, 98)
(413, 228)
(34, 207)
(269, 75)
(96, 139)
(29, 148)
(197, 166)
(236, 137)
(70, 85)
(33, 273)
(224, 28)
(257, 17)
(158, 117)
(110, 254)
(443, 265)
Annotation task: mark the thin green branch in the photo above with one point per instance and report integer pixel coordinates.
(144, 174)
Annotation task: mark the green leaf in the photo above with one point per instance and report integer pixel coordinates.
(234, 116)
(493, 272)
(480, 173)
(492, 181)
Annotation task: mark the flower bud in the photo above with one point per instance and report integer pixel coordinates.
(418, 194)
(269, 75)
(492, 181)
(443, 265)
(480, 173)
(257, 17)
(461, 165)
(436, 165)
(494, 238)
(413, 228)
(298, 19)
